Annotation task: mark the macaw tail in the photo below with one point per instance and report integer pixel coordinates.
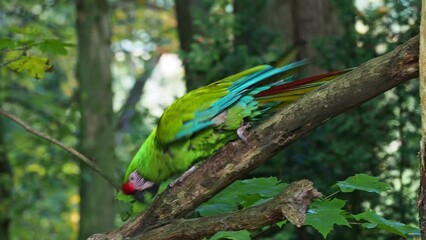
(277, 97)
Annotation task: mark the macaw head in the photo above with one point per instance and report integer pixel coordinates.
(135, 182)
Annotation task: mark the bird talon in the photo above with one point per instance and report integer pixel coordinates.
(182, 177)
(173, 183)
(242, 129)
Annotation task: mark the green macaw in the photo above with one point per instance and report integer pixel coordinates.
(198, 124)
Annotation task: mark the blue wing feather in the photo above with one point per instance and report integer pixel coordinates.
(237, 90)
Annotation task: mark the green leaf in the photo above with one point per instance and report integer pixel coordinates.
(123, 197)
(138, 207)
(12, 55)
(242, 193)
(54, 46)
(363, 182)
(7, 43)
(280, 224)
(374, 220)
(128, 206)
(31, 29)
(322, 215)
(35, 66)
(124, 208)
(250, 199)
(234, 235)
(214, 209)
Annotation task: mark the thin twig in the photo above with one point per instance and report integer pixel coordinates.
(355, 223)
(23, 53)
(71, 150)
(331, 195)
(12, 60)
(23, 48)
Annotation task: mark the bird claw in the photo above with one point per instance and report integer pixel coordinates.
(182, 177)
(242, 129)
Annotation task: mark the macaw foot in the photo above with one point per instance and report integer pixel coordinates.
(241, 130)
(182, 177)
(140, 195)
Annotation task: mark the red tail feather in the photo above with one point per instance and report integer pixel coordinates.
(289, 86)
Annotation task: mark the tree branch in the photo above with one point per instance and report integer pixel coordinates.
(291, 123)
(291, 204)
(71, 150)
(135, 94)
(422, 88)
(12, 60)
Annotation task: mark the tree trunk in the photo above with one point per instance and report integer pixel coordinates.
(5, 187)
(186, 30)
(422, 74)
(97, 128)
(278, 16)
(313, 19)
(185, 23)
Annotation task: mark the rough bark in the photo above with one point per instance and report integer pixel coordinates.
(422, 73)
(238, 158)
(97, 128)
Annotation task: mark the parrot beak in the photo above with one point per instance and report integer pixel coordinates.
(144, 185)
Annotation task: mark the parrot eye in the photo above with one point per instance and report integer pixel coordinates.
(132, 178)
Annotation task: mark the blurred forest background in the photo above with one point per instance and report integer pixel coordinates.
(115, 65)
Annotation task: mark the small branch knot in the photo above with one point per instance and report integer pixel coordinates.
(299, 196)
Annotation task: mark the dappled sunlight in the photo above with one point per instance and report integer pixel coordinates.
(165, 85)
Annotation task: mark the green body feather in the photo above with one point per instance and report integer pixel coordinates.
(156, 162)
(198, 124)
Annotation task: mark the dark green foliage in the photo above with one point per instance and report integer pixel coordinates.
(227, 41)
(323, 215)
(242, 194)
(43, 200)
(375, 221)
(238, 235)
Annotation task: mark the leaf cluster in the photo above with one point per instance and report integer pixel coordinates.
(323, 215)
